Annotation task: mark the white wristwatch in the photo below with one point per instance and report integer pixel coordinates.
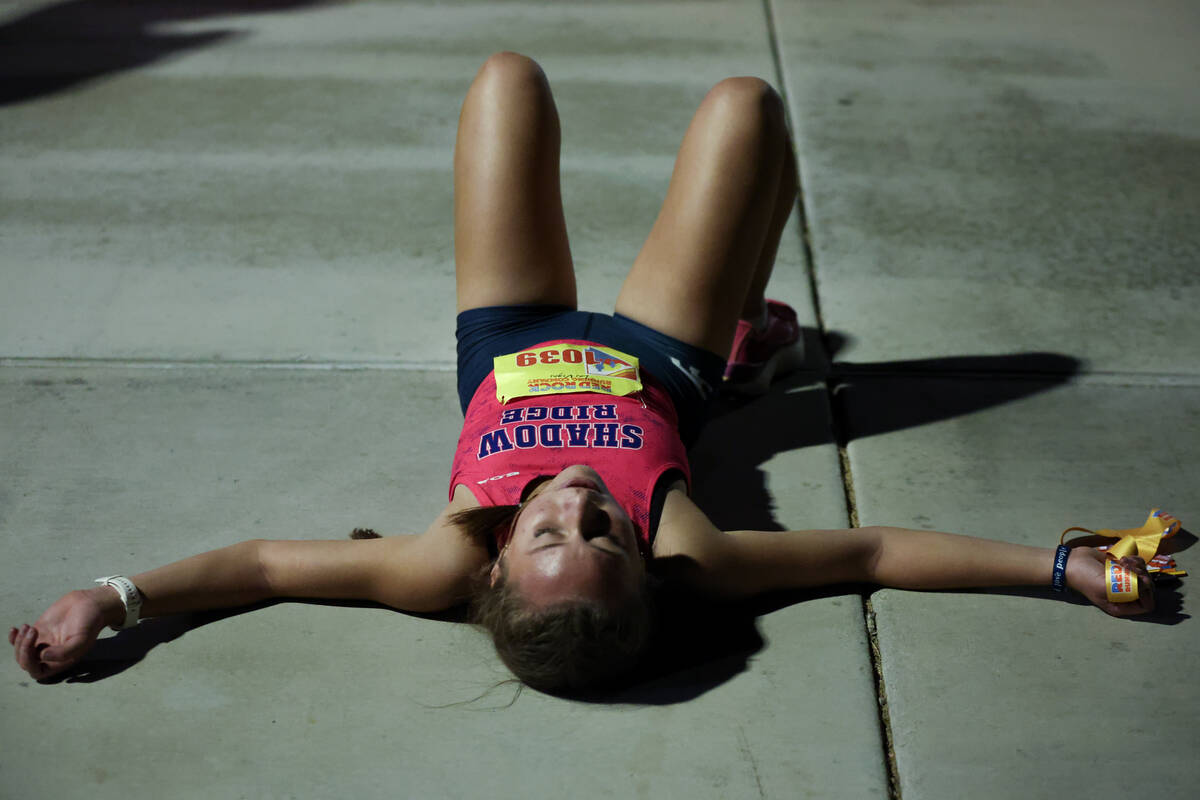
(131, 598)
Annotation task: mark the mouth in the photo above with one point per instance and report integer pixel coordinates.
(582, 483)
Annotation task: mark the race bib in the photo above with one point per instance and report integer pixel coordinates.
(565, 368)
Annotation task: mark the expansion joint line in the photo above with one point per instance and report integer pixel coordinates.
(885, 718)
(868, 607)
(839, 427)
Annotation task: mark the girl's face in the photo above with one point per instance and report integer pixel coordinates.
(572, 540)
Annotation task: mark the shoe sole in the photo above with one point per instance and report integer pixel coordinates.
(787, 360)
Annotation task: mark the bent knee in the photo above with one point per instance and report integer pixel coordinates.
(747, 98)
(507, 66)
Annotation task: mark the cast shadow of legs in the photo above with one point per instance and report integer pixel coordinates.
(834, 403)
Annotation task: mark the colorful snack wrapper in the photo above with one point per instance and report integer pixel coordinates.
(1121, 584)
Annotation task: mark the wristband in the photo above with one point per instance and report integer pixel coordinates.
(1060, 568)
(131, 598)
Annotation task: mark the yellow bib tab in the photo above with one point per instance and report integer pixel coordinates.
(566, 368)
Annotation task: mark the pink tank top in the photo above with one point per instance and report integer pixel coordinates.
(631, 441)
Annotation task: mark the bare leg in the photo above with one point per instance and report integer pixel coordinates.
(709, 254)
(785, 200)
(510, 236)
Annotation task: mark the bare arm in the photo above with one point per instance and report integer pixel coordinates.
(741, 563)
(427, 572)
(912, 559)
(230, 576)
(917, 559)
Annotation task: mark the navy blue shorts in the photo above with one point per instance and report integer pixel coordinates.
(691, 375)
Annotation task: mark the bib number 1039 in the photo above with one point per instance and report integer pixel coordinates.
(566, 368)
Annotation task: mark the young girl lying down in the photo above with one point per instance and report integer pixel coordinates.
(570, 481)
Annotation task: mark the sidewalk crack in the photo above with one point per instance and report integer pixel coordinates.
(885, 719)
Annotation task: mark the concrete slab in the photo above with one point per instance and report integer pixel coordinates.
(201, 186)
(1006, 694)
(1002, 177)
(116, 469)
(278, 185)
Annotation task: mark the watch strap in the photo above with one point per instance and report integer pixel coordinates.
(131, 598)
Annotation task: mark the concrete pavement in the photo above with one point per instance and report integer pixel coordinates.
(226, 312)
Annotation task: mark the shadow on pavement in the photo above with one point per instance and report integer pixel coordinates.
(115, 654)
(835, 403)
(1168, 601)
(56, 47)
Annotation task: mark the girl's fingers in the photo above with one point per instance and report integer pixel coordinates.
(52, 658)
(1145, 601)
(30, 645)
(1136, 564)
(23, 650)
(27, 656)
(55, 655)
(1146, 593)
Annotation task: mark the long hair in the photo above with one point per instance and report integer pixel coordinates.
(566, 647)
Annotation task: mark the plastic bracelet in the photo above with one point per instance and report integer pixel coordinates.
(1060, 568)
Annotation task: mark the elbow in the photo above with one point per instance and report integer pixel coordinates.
(872, 552)
(258, 554)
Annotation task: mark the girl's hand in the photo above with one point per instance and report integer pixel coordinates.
(1085, 574)
(60, 637)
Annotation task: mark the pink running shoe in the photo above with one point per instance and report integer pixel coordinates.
(757, 357)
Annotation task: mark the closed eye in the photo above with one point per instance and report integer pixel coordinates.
(613, 546)
(614, 551)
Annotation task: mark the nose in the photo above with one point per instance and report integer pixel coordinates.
(593, 520)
